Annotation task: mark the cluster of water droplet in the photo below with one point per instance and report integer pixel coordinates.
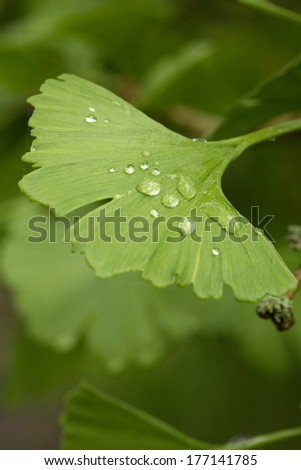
(152, 186)
(92, 119)
(187, 226)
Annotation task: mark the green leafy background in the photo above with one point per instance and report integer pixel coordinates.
(211, 369)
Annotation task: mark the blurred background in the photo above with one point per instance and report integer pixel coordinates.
(212, 369)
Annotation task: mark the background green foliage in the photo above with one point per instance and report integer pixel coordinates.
(211, 369)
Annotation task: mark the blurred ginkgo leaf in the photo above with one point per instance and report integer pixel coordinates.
(95, 420)
(121, 320)
(170, 69)
(279, 95)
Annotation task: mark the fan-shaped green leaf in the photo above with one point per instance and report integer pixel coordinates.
(93, 146)
(95, 420)
(122, 320)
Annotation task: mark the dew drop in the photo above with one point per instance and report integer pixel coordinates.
(215, 252)
(154, 213)
(112, 170)
(186, 187)
(170, 200)
(117, 103)
(92, 109)
(144, 166)
(90, 119)
(155, 172)
(149, 187)
(171, 176)
(239, 227)
(235, 227)
(199, 139)
(146, 153)
(106, 121)
(129, 170)
(187, 226)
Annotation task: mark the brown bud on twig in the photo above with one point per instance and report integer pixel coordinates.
(279, 309)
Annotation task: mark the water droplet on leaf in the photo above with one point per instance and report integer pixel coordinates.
(92, 109)
(235, 227)
(90, 119)
(144, 166)
(154, 213)
(129, 170)
(215, 252)
(170, 200)
(186, 187)
(146, 153)
(149, 187)
(187, 226)
(155, 172)
(112, 170)
(106, 121)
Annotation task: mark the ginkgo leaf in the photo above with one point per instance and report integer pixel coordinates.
(95, 420)
(170, 69)
(92, 146)
(122, 321)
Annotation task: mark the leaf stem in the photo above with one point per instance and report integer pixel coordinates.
(271, 9)
(267, 133)
(266, 440)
